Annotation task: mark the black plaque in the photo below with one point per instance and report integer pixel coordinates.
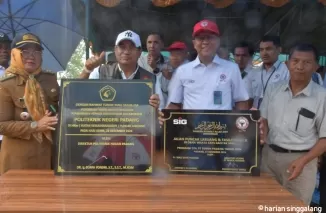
(212, 142)
(105, 127)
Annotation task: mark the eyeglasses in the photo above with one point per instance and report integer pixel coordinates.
(26, 53)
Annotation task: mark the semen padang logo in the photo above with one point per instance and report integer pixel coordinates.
(180, 121)
(242, 123)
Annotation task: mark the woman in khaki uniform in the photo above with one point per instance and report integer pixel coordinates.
(26, 96)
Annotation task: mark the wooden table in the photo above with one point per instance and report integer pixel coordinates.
(41, 191)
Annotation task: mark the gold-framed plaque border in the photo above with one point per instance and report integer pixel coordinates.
(66, 82)
(210, 171)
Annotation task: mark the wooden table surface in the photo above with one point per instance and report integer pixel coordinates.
(41, 191)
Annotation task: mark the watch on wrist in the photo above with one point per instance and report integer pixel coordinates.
(34, 125)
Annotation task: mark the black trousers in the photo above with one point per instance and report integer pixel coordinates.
(322, 184)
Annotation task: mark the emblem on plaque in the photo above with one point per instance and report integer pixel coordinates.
(242, 123)
(108, 93)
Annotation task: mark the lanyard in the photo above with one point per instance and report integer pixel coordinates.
(262, 80)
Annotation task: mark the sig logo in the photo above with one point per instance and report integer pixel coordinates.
(180, 121)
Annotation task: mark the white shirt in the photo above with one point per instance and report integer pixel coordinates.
(95, 75)
(261, 79)
(287, 127)
(212, 87)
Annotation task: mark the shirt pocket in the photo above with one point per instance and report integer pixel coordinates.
(20, 111)
(226, 91)
(256, 91)
(193, 86)
(302, 126)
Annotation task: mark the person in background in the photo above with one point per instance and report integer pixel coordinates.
(219, 80)
(294, 125)
(4, 52)
(178, 56)
(4, 58)
(271, 71)
(243, 53)
(29, 101)
(224, 53)
(154, 62)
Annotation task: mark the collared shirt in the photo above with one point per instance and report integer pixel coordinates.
(95, 74)
(214, 86)
(262, 78)
(142, 61)
(158, 90)
(124, 76)
(288, 128)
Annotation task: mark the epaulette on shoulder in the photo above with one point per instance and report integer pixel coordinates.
(7, 77)
(49, 72)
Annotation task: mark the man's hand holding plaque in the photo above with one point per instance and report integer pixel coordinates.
(154, 101)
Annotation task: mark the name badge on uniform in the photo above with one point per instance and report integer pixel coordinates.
(217, 97)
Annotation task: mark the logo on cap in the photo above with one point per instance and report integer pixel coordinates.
(204, 23)
(29, 37)
(128, 34)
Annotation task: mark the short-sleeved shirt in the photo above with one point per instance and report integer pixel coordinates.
(213, 87)
(261, 78)
(289, 126)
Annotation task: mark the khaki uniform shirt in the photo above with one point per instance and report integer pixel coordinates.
(288, 128)
(19, 149)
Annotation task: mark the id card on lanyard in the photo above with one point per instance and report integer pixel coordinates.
(266, 84)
